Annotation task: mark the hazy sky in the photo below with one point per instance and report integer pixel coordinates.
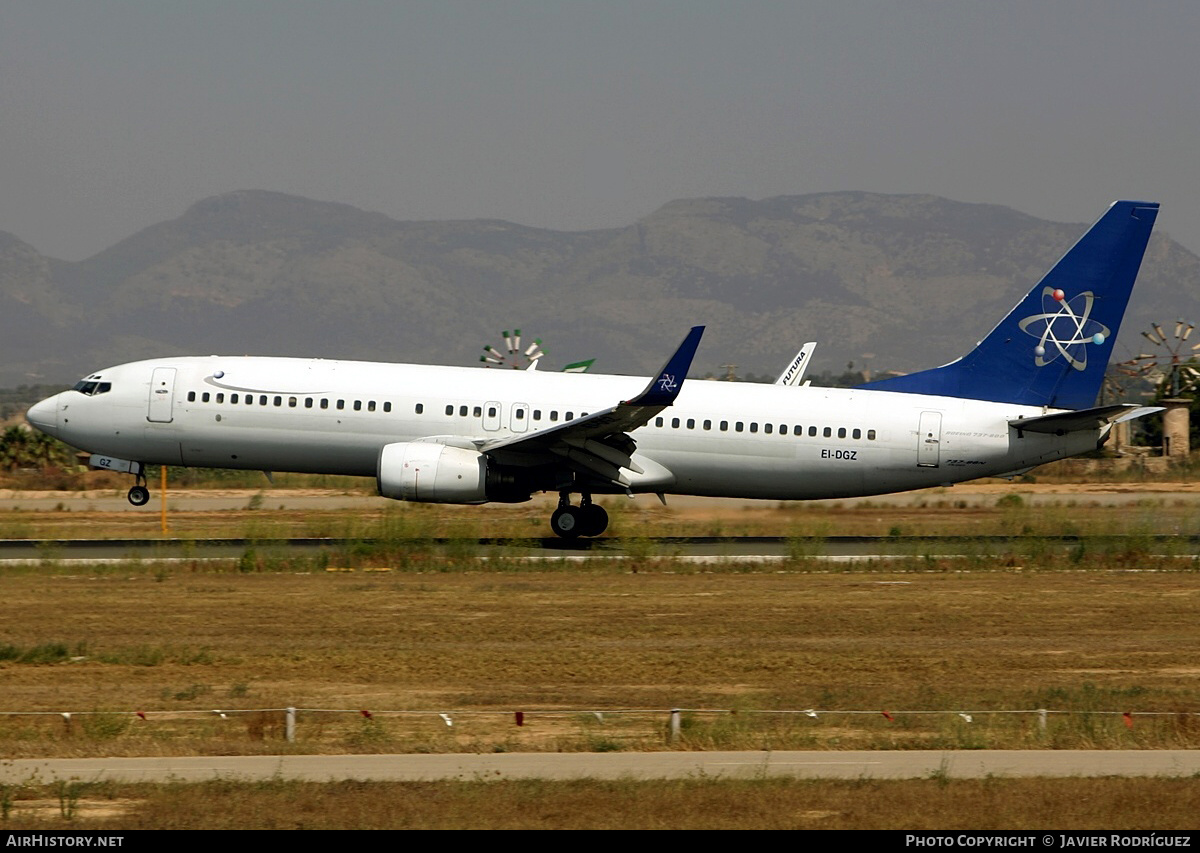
(574, 115)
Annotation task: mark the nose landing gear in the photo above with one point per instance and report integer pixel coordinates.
(587, 519)
(139, 495)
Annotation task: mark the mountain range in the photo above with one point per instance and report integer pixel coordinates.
(888, 282)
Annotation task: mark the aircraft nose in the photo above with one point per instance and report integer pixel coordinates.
(44, 415)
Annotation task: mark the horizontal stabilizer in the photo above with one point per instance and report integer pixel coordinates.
(1084, 419)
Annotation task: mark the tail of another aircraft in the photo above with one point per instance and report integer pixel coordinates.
(1053, 348)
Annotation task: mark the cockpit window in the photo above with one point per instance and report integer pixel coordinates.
(91, 387)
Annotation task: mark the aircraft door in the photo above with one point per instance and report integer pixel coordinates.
(162, 396)
(491, 415)
(518, 421)
(929, 440)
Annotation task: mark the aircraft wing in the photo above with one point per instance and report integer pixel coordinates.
(598, 445)
(1065, 422)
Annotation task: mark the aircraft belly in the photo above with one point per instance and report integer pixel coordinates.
(160, 446)
(786, 473)
(308, 451)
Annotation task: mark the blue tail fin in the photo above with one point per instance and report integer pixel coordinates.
(1053, 348)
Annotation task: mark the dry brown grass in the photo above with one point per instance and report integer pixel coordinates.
(555, 640)
(973, 510)
(483, 640)
(989, 804)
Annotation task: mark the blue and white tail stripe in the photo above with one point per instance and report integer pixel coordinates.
(1053, 348)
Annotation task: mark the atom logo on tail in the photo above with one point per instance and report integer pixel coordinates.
(1067, 326)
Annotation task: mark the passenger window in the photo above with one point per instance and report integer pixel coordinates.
(812, 431)
(370, 405)
(262, 400)
(204, 397)
(221, 398)
(708, 424)
(797, 430)
(553, 415)
(387, 406)
(827, 432)
(520, 413)
(724, 426)
(841, 432)
(856, 434)
(737, 427)
(570, 416)
(308, 402)
(341, 404)
(420, 408)
(450, 410)
(537, 414)
(492, 411)
(324, 402)
(358, 405)
(870, 435)
(233, 398)
(477, 411)
(191, 396)
(754, 426)
(278, 401)
(674, 423)
(691, 423)
(767, 428)
(462, 411)
(658, 422)
(292, 402)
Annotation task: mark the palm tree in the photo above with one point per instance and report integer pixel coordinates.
(12, 447)
(21, 447)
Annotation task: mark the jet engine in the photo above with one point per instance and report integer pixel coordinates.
(438, 473)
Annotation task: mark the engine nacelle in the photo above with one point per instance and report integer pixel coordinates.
(432, 473)
(440, 473)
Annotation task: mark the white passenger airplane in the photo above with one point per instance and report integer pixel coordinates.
(469, 436)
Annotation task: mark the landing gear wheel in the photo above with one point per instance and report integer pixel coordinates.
(595, 520)
(139, 496)
(567, 522)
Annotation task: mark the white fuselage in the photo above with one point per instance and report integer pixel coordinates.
(718, 439)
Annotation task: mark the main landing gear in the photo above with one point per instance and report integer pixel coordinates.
(587, 519)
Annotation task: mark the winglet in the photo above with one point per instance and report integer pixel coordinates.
(665, 386)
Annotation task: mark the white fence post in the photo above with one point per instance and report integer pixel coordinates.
(291, 725)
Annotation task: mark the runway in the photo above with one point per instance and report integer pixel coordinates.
(964, 494)
(908, 764)
(695, 549)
